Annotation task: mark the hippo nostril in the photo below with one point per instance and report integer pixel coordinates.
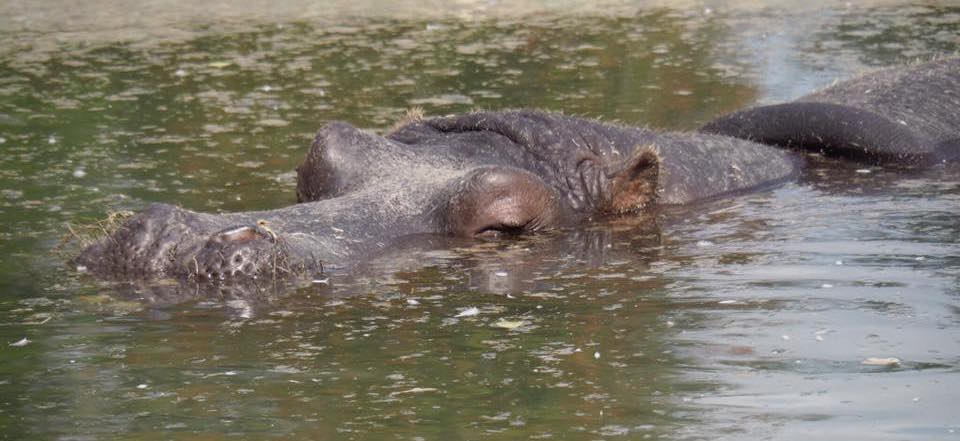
(237, 258)
(248, 268)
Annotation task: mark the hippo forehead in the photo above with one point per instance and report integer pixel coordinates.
(528, 139)
(573, 156)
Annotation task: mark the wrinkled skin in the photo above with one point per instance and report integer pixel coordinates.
(479, 174)
(909, 117)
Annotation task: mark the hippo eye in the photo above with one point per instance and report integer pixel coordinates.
(500, 200)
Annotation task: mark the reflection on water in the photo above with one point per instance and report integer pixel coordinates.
(739, 319)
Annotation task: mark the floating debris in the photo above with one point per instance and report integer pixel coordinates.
(876, 361)
(469, 312)
(20, 343)
(416, 390)
(819, 334)
(613, 430)
(509, 324)
(219, 64)
(273, 122)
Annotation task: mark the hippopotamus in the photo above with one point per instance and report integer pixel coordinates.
(525, 171)
(901, 116)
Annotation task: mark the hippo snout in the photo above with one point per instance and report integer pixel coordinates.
(238, 251)
(169, 241)
(145, 245)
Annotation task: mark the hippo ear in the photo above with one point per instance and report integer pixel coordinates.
(633, 185)
(493, 200)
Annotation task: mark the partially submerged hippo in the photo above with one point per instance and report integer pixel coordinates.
(901, 116)
(488, 173)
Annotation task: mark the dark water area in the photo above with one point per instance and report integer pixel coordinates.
(764, 316)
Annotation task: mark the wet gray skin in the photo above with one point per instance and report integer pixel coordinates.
(904, 116)
(476, 174)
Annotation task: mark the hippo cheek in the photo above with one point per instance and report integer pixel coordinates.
(236, 252)
(497, 200)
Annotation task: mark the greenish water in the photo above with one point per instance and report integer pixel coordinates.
(741, 319)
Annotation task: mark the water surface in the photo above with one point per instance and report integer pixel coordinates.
(745, 318)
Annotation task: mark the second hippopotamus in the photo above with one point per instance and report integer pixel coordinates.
(905, 116)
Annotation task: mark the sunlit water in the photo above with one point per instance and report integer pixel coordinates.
(746, 318)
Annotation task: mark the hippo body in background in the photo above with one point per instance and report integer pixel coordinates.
(904, 116)
(488, 173)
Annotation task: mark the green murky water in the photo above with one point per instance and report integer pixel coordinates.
(741, 319)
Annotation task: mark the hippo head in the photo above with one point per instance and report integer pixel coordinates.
(484, 174)
(476, 176)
